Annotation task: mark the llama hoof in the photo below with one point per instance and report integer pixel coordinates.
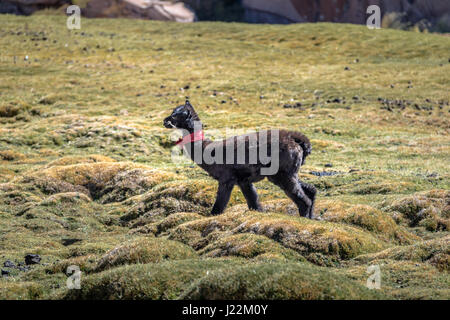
(317, 218)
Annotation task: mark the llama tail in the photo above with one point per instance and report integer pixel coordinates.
(304, 142)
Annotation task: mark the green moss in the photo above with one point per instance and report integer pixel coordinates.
(172, 197)
(104, 181)
(145, 250)
(406, 280)
(13, 109)
(286, 281)
(435, 252)
(165, 280)
(366, 217)
(304, 236)
(87, 264)
(70, 160)
(249, 246)
(10, 155)
(427, 209)
(170, 222)
(10, 290)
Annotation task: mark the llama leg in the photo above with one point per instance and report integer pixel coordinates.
(293, 189)
(223, 196)
(250, 195)
(310, 191)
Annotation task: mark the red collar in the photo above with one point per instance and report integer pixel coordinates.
(195, 136)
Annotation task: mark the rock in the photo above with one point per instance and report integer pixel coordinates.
(324, 173)
(9, 264)
(68, 242)
(140, 9)
(297, 105)
(32, 259)
(27, 7)
(348, 11)
(22, 267)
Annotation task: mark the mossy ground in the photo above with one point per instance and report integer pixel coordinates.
(86, 176)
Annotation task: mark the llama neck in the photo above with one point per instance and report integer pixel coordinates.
(197, 126)
(195, 149)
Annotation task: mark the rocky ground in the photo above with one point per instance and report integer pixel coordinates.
(86, 176)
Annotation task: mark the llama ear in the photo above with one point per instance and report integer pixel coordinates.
(187, 103)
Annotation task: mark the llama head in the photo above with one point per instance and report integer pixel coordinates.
(182, 117)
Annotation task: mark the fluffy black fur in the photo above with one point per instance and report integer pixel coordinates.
(294, 147)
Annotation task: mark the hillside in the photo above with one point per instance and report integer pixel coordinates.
(86, 176)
